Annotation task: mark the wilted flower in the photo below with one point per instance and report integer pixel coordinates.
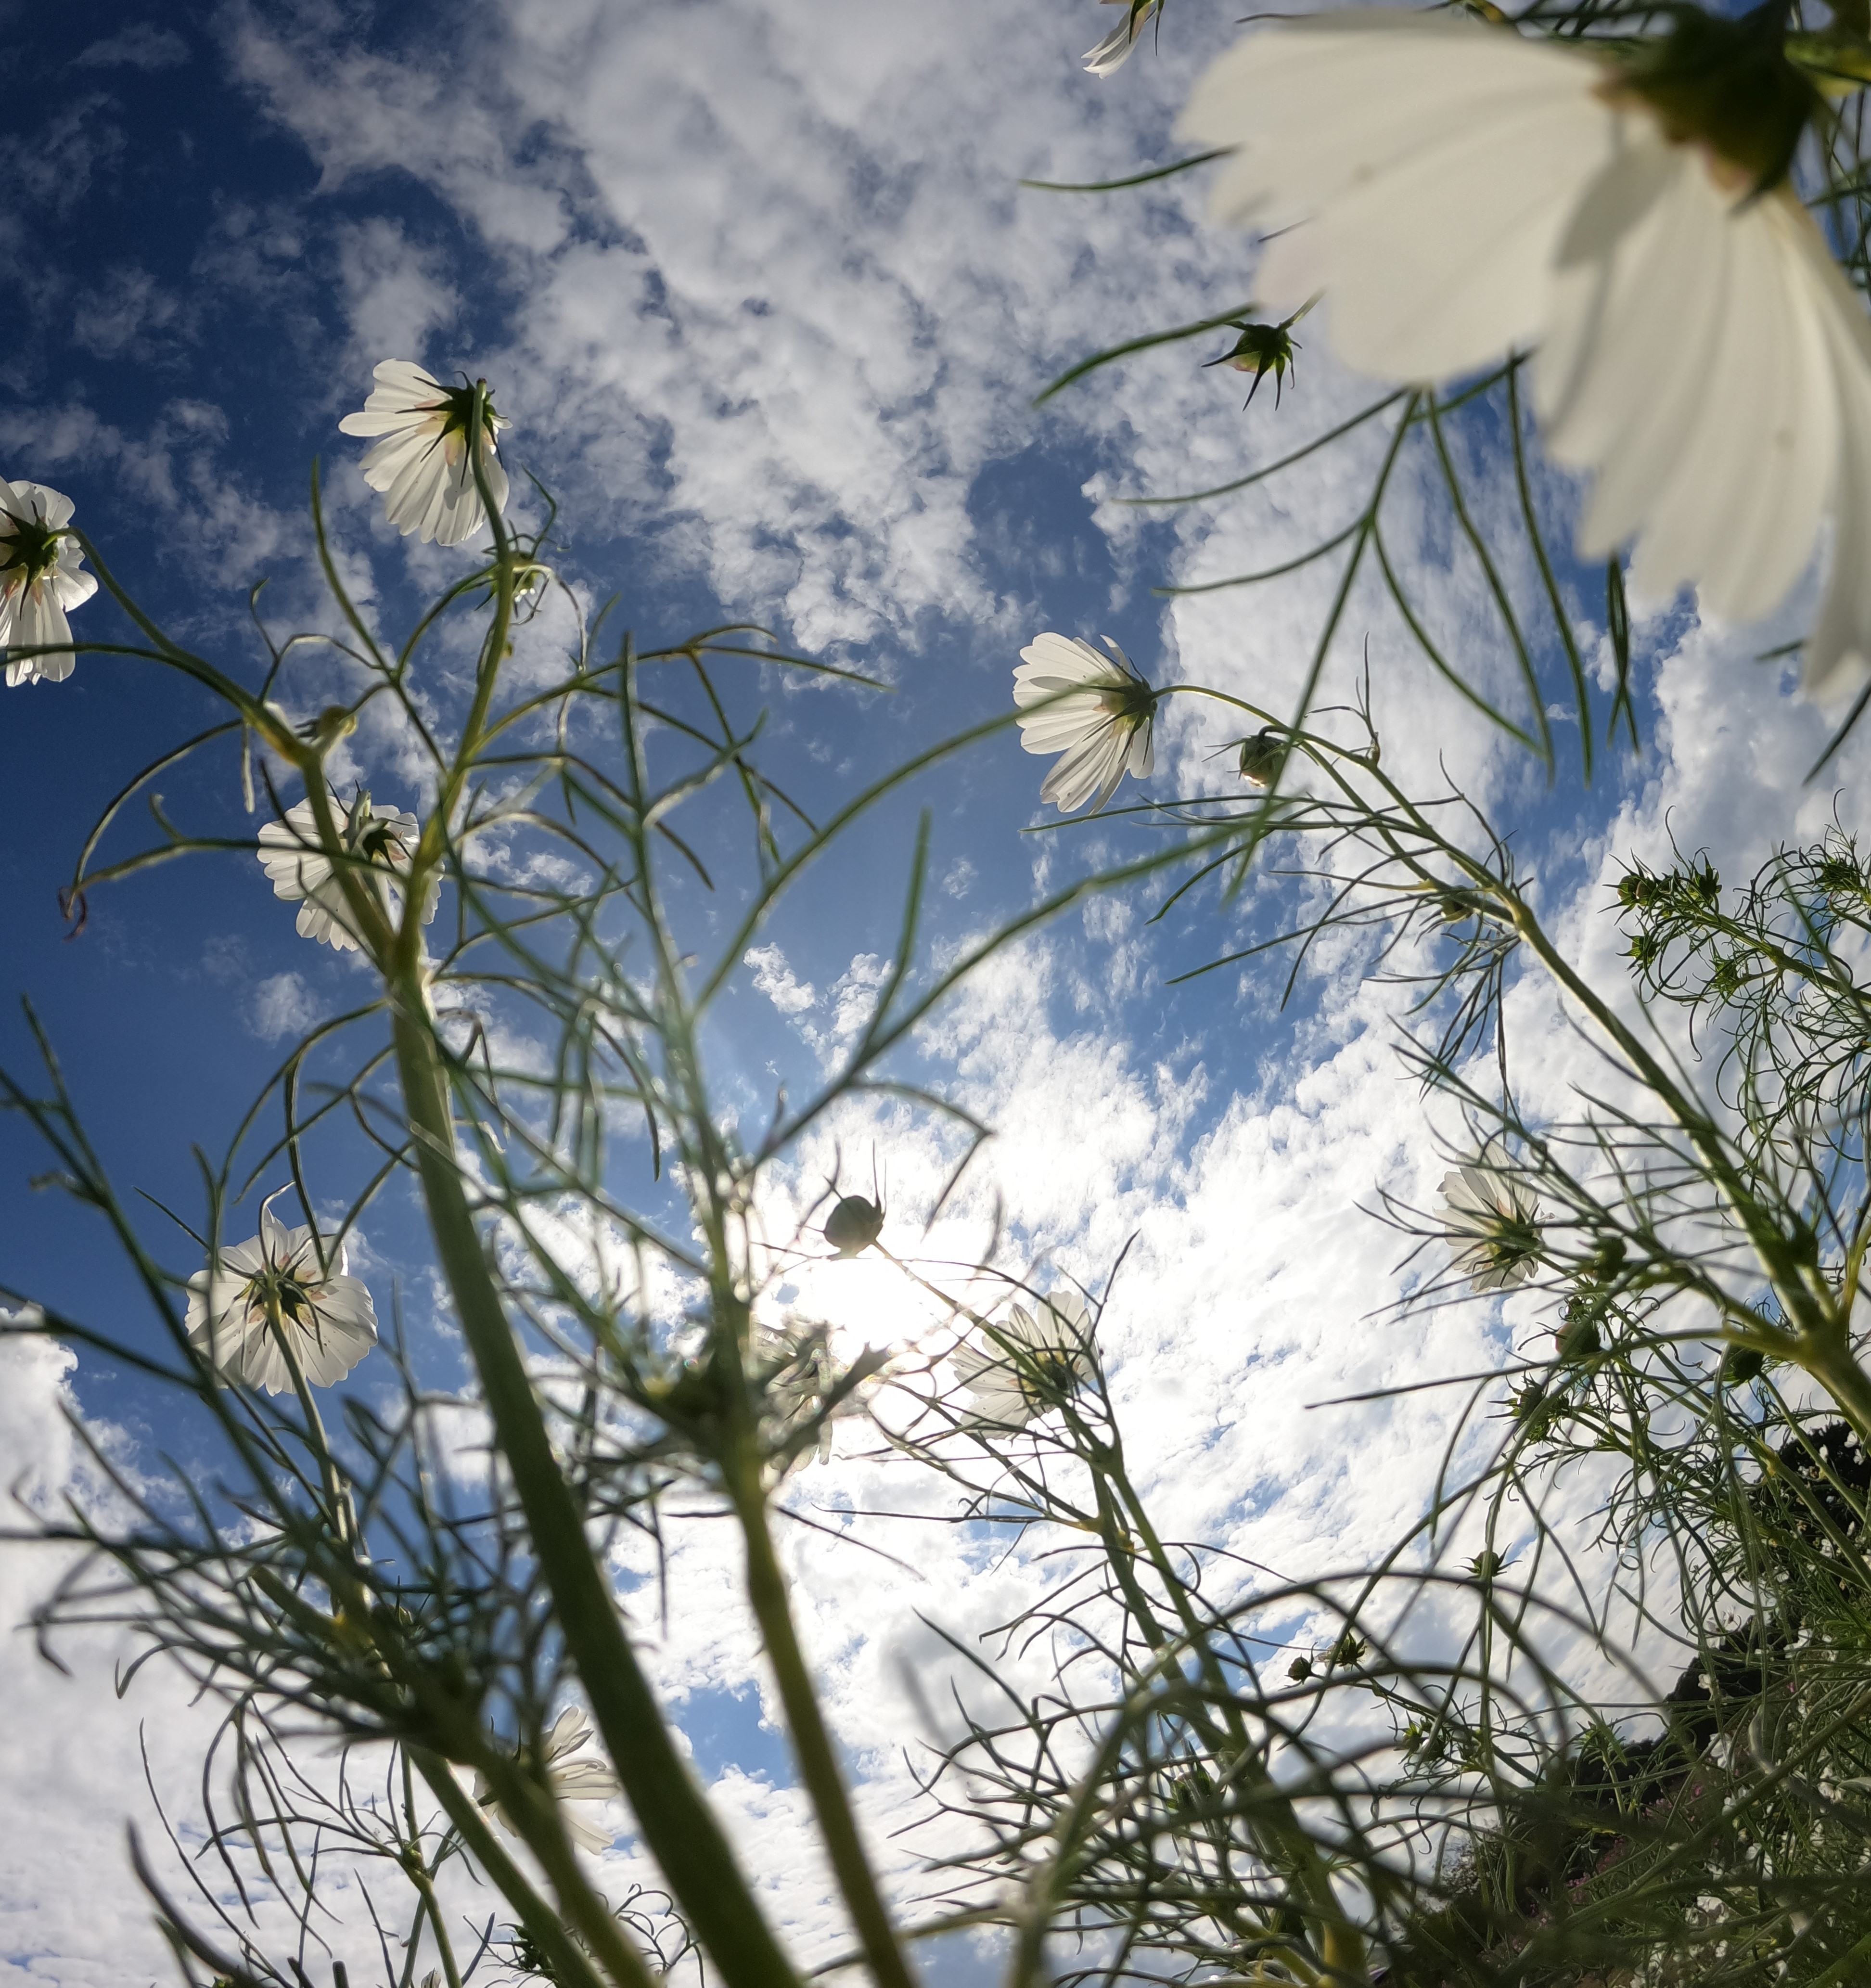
(421, 463)
(1496, 1222)
(381, 840)
(1465, 191)
(1099, 719)
(1114, 51)
(1025, 1365)
(571, 1780)
(261, 1296)
(41, 574)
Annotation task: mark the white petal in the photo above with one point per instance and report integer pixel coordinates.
(1434, 162)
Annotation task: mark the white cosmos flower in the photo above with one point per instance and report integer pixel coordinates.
(1464, 191)
(1114, 51)
(1096, 711)
(42, 575)
(570, 1779)
(421, 463)
(1024, 1364)
(1493, 1222)
(239, 1309)
(381, 838)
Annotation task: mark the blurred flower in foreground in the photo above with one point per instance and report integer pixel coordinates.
(421, 463)
(239, 1308)
(571, 1780)
(1023, 1365)
(1463, 191)
(41, 574)
(1114, 51)
(1099, 718)
(1495, 1222)
(381, 838)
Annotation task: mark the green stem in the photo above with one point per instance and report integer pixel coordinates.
(571, 1965)
(671, 1813)
(812, 1746)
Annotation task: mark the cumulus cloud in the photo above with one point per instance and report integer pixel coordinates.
(142, 46)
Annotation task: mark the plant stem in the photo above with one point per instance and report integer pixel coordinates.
(812, 1746)
(672, 1812)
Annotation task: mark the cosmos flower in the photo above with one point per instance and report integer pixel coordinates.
(1494, 1222)
(239, 1308)
(421, 461)
(382, 840)
(1114, 51)
(1026, 1364)
(41, 574)
(571, 1780)
(1463, 191)
(1099, 718)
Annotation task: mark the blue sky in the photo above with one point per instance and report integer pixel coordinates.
(756, 282)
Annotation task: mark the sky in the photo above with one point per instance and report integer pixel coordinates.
(757, 284)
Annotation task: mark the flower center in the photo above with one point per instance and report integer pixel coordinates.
(1729, 85)
(275, 1286)
(32, 549)
(1131, 702)
(457, 404)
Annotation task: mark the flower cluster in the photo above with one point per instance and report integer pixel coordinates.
(1114, 51)
(570, 1779)
(1460, 192)
(42, 577)
(1028, 1362)
(1493, 1219)
(264, 1307)
(1094, 711)
(422, 462)
(379, 841)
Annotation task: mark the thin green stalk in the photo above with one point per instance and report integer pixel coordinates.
(812, 1746)
(671, 1813)
(571, 1964)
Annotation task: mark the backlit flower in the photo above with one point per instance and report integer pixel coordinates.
(1114, 51)
(1025, 1364)
(570, 1779)
(421, 463)
(381, 840)
(1094, 711)
(263, 1296)
(42, 575)
(1462, 190)
(1493, 1222)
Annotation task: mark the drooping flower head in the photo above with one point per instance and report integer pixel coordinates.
(421, 462)
(42, 575)
(380, 840)
(1094, 711)
(570, 1779)
(1492, 1220)
(1026, 1363)
(1461, 191)
(1114, 51)
(263, 1296)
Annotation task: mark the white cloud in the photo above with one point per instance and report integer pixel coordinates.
(281, 1006)
(141, 46)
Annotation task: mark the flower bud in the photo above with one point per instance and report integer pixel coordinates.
(853, 1226)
